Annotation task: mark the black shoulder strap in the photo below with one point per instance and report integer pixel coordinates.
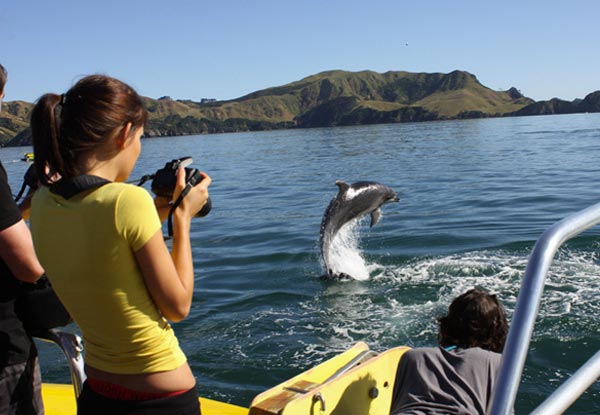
(67, 188)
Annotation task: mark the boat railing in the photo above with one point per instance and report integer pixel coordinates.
(359, 359)
(72, 347)
(523, 320)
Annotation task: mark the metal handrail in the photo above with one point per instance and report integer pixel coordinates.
(360, 358)
(72, 346)
(573, 388)
(527, 307)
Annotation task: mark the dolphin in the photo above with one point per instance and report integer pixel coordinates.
(352, 202)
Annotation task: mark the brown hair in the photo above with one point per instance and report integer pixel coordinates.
(475, 319)
(65, 127)
(3, 75)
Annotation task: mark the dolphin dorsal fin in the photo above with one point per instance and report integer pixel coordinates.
(342, 185)
(375, 216)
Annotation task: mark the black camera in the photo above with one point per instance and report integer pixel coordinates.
(165, 179)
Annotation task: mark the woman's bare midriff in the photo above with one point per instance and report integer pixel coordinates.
(159, 382)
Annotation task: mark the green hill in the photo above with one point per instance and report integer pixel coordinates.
(326, 99)
(591, 103)
(339, 98)
(14, 118)
(447, 95)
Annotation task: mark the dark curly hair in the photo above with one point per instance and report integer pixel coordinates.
(475, 319)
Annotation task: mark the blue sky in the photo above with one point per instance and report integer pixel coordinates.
(192, 49)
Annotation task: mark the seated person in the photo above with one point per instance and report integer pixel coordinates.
(458, 377)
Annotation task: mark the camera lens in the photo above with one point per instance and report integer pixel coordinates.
(205, 209)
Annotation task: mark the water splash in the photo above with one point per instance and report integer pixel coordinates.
(345, 255)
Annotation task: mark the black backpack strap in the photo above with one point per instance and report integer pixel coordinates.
(67, 188)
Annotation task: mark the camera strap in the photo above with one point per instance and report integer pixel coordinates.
(174, 206)
(20, 194)
(69, 187)
(29, 179)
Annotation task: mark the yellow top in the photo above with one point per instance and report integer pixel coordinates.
(86, 245)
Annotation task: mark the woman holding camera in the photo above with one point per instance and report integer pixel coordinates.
(101, 242)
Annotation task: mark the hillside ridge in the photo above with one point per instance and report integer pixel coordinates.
(326, 99)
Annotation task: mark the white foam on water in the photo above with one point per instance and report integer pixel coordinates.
(345, 255)
(399, 304)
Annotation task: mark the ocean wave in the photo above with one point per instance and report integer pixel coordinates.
(399, 303)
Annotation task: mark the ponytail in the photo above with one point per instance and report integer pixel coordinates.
(66, 128)
(45, 130)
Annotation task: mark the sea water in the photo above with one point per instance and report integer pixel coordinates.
(475, 195)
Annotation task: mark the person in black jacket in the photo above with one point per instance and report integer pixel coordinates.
(20, 380)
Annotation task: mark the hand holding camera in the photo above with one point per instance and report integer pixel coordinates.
(166, 180)
(175, 181)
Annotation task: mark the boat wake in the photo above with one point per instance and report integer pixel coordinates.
(398, 304)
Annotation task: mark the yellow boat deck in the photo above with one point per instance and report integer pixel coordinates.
(355, 382)
(352, 383)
